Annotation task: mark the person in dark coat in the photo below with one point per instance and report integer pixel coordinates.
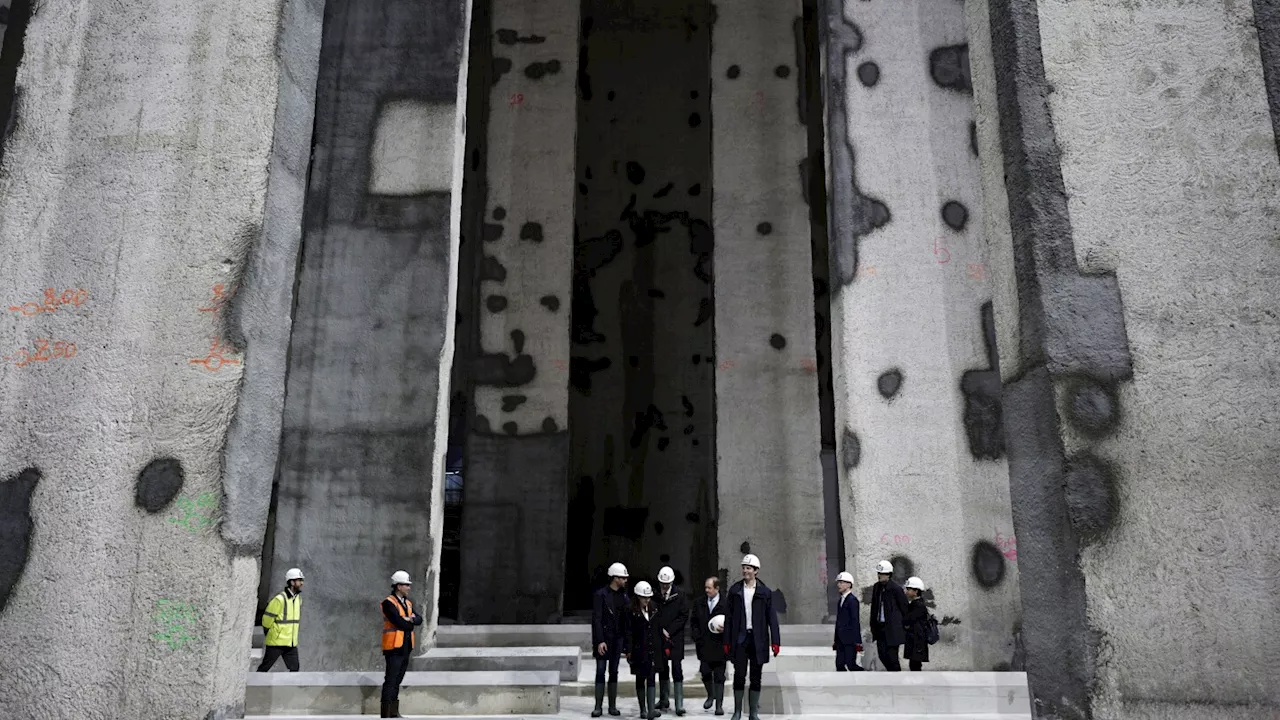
(673, 614)
(751, 629)
(916, 648)
(848, 637)
(608, 635)
(709, 643)
(644, 649)
(888, 608)
(399, 620)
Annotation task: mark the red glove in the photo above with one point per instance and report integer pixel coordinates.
(726, 649)
(858, 648)
(776, 648)
(668, 652)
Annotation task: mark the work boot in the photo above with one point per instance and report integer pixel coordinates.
(711, 693)
(640, 697)
(598, 710)
(386, 709)
(679, 691)
(754, 699)
(737, 704)
(653, 709)
(613, 699)
(719, 698)
(664, 689)
(395, 709)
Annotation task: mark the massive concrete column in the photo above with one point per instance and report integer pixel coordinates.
(1139, 346)
(151, 199)
(917, 389)
(768, 440)
(517, 452)
(360, 484)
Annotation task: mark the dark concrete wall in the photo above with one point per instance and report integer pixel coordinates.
(359, 487)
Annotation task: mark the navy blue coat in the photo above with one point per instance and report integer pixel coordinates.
(848, 623)
(891, 631)
(645, 644)
(608, 611)
(764, 621)
(709, 645)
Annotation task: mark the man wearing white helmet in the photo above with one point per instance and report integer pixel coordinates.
(750, 630)
(673, 615)
(708, 642)
(888, 607)
(608, 618)
(280, 623)
(848, 639)
(398, 622)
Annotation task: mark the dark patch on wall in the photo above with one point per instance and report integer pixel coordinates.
(869, 74)
(983, 415)
(704, 312)
(510, 428)
(666, 189)
(495, 303)
(550, 302)
(903, 568)
(694, 120)
(1266, 17)
(538, 70)
(688, 406)
(973, 137)
(517, 340)
(626, 522)
(695, 189)
(1092, 499)
(581, 369)
(889, 383)
(955, 215)
(531, 231)
(782, 71)
(490, 232)
(745, 547)
(988, 564)
(498, 67)
(1092, 407)
(659, 528)
(507, 36)
(635, 172)
(734, 72)
(650, 419)
(851, 448)
(549, 425)
(11, 53)
(511, 402)
(492, 269)
(949, 67)
(777, 341)
(15, 528)
(499, 370)
(805, 180)
(764, 228)
(158, 484)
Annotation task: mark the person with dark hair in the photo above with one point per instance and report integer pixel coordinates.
(916, 625)
(673, 614)
(708, 642)
(644, 648)
(848, 637)
(751, 630)
(608, 635)
(888, 606)
(398, 623)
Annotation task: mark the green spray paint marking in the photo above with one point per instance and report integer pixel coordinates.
(196, 513)
(177, 621)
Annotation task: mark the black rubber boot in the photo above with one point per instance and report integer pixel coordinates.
(386, 709)
(711, 693)
(395, 709)
(613, 699)
(640, 697)
(664, 694)
(598, 710)
(737, 704)
(679, 696)
(754, 699)
(720, 698)
(653, 709)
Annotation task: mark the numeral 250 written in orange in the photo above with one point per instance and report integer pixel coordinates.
(44, 352)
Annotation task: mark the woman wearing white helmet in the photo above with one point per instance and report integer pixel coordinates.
(916, 649)
(751, 629)
(673, 614)
(398, 622)
(608, 635)
(708, 642)
(644, 648)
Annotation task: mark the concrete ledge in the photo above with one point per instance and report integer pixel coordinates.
(792, 659)
(422, 693)
(580, 635)
(923, 693)
(563, 660)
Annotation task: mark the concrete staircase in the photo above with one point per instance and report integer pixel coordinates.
(546, 671)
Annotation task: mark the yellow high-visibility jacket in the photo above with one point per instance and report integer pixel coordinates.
(280, 620)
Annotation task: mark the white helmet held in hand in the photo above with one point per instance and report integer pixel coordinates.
(666, 575)
(618, 570)
(643, 589)
(293, 574)
(845, 577)
(716, 624)
(884, 567)
(751, 560)
(915, 583)
(400, 577)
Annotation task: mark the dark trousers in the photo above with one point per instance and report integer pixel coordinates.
(847, 658)
(744, 662)
(397, 664)
(712, 671)
(275, 652)
(889, 656)
(671, 668)
(915, 665)
(610, 660)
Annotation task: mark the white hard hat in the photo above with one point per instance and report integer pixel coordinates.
(643, 589)
(884, 567)
(400, 577)
(293, 574)
(618, 570)
(915, 583)
(716, 624)
(751, 560)
(666, 575)
(844, 577)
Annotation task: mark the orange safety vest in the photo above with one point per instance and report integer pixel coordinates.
(392, 636)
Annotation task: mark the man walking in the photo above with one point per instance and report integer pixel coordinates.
(708, 636)
(888, 607)
(750, 631)
(673, 615)
(398, 623)
(848, 639)
(608, 615)
(280, 623)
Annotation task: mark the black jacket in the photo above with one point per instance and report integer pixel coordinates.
(673, 614)
(890, 632)
(708, 645)
(644, 646)
(608, 619)
(764, 621)
(848, 622)
(917, 645)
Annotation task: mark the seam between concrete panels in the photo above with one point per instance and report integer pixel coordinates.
(1266, 17)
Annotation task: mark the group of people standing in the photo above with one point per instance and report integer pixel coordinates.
(899, 622)
(648, 629)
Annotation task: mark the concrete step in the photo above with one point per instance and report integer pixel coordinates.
(791, 659)
(565, 660)
(580, 635)
(421, 693)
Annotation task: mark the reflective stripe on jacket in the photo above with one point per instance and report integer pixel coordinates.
(280, 620)
(392, 636)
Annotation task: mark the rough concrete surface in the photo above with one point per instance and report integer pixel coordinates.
(135, 189)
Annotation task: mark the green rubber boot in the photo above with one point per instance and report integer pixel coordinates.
(664, 694)
(653, 709)
(613, 699)
(598, 710)
(754, 699)
(737, 704)
(679, 695)
(711, 693)
(719, 698)
(640, 697)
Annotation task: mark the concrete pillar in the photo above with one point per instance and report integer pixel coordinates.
(360, 485)
(768, 440)
(917, 389)
(1140, 381)
(517, 452)
(151, 198)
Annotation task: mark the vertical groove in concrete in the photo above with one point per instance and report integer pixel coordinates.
(1266, 18)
